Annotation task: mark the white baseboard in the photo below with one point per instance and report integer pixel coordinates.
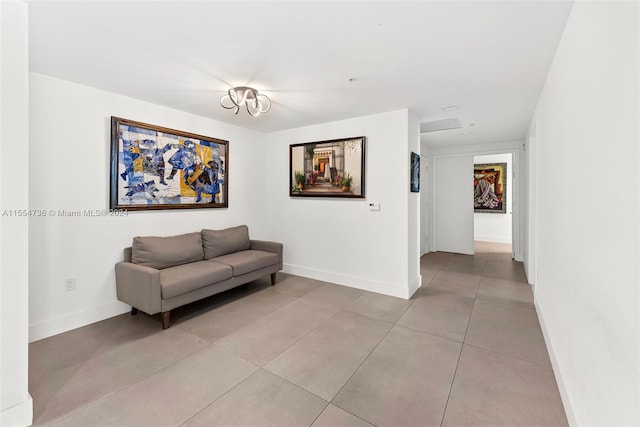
(75, 320)
(392, 289)
(415, 285)
(562, 388)
(20, 415)
(58, 325)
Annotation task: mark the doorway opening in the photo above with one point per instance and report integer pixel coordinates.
(493, 200)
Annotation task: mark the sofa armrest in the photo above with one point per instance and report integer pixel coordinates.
(139, 286)
(262, 245)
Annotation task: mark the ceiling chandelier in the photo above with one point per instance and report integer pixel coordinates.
(255, 102)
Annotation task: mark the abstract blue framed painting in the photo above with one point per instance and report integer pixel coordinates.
(415, 173)
(153, 167)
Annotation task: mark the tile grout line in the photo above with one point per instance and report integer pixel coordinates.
(269, 372)
(441, 269)
(388, 321)
(277, 355)
(296, 342)
(432, 334)
(315, 395)
(444, 413)
(321, 412)
(265, 370)
(178, 325)
(292, 345)
(261, 368)
(219, 397)
(358, 368)
(100, 399)
(343, 309)
(508, 355)
(301, 338)
(514, 304)
(63, 417)
(99, 349)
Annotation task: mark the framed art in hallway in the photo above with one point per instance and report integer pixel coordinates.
(415, 172)
(490, 188)
(153, 167)
(334, 168)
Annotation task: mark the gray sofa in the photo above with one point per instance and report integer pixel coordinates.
(159, 274)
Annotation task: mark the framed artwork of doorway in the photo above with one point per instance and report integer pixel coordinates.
(334, 168)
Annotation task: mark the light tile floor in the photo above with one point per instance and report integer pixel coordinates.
(467, 349)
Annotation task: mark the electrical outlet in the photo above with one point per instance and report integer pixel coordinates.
(70, 285)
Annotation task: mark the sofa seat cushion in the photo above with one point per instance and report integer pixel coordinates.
(185, 278)
(164, 252)
(244, 262)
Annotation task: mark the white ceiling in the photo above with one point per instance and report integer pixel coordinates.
(490, 58)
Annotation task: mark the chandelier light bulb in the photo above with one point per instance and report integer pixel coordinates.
(254, 102)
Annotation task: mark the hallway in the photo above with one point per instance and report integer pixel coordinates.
(504, 375)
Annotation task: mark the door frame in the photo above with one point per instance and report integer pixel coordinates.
(515, 148)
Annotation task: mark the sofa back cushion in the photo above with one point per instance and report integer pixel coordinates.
(164, 252)
(227, 241)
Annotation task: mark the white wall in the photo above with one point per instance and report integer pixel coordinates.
(588, 215)
(529, 217)
(70, 140)
(425, 199)
(340, 240)
(69, 160)
(492, 227)
(15, 402)
(413, 225)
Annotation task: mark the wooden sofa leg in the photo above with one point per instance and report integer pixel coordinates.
(134, 311)
(273, 279)
(166, 319)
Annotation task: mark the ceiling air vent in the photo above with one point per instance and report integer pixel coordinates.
(436, 125)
